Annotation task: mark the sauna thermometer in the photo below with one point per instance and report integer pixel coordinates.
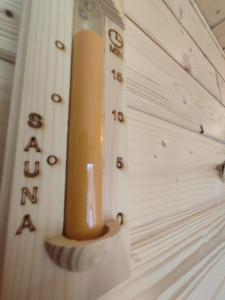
(85, 233)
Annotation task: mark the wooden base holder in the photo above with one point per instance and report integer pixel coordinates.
(78, 256)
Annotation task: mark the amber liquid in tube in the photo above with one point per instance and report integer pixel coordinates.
(84, 211)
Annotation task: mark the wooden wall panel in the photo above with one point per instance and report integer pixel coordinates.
(219, 32)
(159, 86)
(10, 14)
(12, 129)
(6, 80)
(188, 14)
(221, 84)
(177, 206)
(158, 22)
(213, 10)
(36, 89)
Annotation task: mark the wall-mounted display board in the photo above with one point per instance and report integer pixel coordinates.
(38, 267)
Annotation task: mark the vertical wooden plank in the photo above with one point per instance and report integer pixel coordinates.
(27, 266)
(46, 71)
(6, 80)
(12, 130)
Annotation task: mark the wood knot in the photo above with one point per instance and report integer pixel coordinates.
(220, 170)
(201, 129)
(9, 13)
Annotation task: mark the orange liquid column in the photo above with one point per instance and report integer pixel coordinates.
(84, 189)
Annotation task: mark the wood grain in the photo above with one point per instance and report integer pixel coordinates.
(10, 15)
(9, 156)
(221, 84)
(219, 32)
(189, 15)
(158, 22)
(176, 199)
(213, 10)
(81, 256)
(177, 207)
(176, 212)
(157, 85)
(6, 80)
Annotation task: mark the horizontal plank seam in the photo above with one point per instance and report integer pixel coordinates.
(213, 37)
(218, 86)
(158, 44)
(221, 21)
(201, 50)
(175, 124)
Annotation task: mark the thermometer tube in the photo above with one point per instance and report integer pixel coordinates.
(84, 187)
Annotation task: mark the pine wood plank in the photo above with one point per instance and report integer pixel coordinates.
(27, 266)
(213, 10)
(9, 156)
(157, 85)
(10, 14)
(219, 32)
(158, 22)
(221, 84)
(6, 80)
(177, 207)
(191, 18)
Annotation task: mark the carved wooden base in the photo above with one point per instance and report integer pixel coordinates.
(78, 256)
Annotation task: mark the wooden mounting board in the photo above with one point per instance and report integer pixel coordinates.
(46, 70)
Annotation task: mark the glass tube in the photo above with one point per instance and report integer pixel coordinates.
(84, 187)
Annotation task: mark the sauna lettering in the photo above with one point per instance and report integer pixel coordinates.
(30, 170)
(116, 44)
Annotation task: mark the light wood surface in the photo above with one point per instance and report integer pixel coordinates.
(176, 216)
(80, 256)
(189, 15)
(221, 84)
(9, 156)
(6, 81)
(176, 198)
(213, 10)
(10, 15)
(176, 213)
(219, 32)
(35, 276)
(159, 23)
(157, 85)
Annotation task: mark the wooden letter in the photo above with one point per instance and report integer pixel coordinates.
(25, 192)
(32, 144)
(26, 223)
(27, 172)
(35, 120)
